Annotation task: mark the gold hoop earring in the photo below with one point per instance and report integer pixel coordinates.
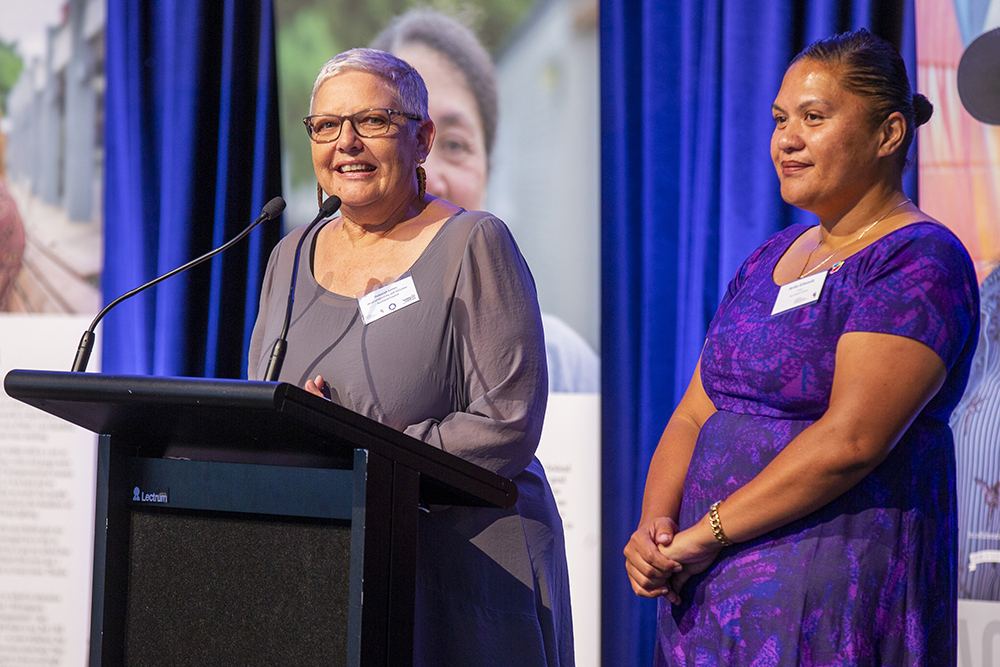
(421, 182)
(319, 195)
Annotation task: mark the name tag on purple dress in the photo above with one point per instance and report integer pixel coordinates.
(799, 292)
(388, 299)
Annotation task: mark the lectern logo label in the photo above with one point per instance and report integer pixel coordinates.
(138, 496)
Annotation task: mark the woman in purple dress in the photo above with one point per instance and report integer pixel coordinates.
(800, 506)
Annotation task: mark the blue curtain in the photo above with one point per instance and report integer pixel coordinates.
(688, 191)
(192, 154)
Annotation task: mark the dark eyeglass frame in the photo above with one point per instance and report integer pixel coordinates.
(308, 121)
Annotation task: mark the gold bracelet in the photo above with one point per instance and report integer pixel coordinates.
(716, 524)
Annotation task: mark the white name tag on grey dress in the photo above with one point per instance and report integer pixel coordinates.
(388, 299)
(799, 292)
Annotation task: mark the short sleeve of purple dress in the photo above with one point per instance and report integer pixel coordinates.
(870, 578)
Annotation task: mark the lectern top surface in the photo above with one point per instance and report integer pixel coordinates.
(237, 420)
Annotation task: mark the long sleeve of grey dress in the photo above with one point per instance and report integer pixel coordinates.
(462, 369)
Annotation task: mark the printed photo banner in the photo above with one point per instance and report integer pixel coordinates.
(959, 179)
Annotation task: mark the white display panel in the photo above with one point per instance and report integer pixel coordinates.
(47, 482)
(978, 633)
(570, 451)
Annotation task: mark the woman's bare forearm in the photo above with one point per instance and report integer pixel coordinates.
(669, 465)
(668, 469)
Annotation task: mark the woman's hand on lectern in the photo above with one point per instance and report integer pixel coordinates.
(319, 387)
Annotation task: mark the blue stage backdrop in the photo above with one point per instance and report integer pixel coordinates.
(688, 192)
(191, 134)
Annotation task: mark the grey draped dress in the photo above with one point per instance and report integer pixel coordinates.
(462, 369)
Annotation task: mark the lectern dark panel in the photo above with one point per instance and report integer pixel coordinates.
(232, 589)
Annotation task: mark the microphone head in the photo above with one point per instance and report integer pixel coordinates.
(273, 208)
(330, 206)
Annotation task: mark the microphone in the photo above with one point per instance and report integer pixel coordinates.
(326, 209)
(272, 210)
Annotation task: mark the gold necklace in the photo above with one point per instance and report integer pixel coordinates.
(803, 273)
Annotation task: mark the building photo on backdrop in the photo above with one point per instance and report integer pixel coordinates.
(51, 256)
(623, 143)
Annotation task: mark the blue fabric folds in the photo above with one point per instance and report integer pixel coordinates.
(688, 191)
(192, 154)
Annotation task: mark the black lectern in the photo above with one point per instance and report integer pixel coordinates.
(251, 522)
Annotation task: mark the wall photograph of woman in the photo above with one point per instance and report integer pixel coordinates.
(460, 52)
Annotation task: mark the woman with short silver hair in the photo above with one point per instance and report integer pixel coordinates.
(459, 363)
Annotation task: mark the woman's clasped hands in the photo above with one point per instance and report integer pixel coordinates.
(660, 558)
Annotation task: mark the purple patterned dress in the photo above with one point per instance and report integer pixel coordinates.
(868, 579)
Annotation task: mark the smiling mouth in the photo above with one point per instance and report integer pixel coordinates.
(355, 168)
(792, 167)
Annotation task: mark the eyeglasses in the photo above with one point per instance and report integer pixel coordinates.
(324, 128)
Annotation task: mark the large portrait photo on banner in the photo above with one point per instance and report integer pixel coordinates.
(513, 90)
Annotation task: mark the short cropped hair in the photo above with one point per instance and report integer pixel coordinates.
(411, 93)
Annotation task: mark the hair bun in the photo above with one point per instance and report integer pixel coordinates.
(922, 109)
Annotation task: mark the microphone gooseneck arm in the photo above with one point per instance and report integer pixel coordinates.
(272, 209)
(328, 208)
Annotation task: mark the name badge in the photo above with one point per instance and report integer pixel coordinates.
(388, 299)
(799, 292)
